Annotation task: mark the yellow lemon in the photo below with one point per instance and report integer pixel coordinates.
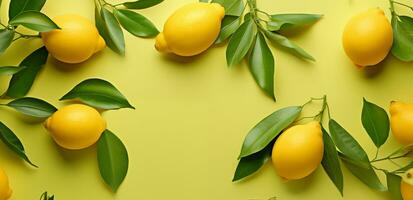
(191, 30)
(368, 38)
(401, 121)
(298, 151)
(76, 41)
(5, 191)
(406, 186)
(76, 126)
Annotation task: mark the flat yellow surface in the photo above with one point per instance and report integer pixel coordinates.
(192, 114)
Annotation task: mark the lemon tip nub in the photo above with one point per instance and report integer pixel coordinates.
(160, 44)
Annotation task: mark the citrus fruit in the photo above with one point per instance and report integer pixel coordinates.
(76, 126)
(368, 38)
(191, 29)
(76, 41)
(298, 151)
(401, 121)
(5, 191)
(406, 186)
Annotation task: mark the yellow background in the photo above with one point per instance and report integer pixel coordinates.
(192, 114)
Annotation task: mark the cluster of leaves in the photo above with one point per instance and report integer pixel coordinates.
(112, 155)
(402, 33)
(338, 145)
(45, 196)
(109, 19)
(248, 33)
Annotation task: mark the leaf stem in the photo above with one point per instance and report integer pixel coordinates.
(387, 158)
(321, 113)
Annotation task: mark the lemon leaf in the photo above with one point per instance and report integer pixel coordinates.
(34, 20)
(261, 64)
(403, 40)
(376, 122)
(232, 7)
(240, 43)
(267, 129)
(18, 6)
(393, 183)
(13, 143)
(228, 26)
(405, 168)
(99, 94)
(331, 162)
(33, 107)
(281, 22)
(136, 24)
(112, 159)
(141, 4)
(10, 70)
(111, 31)
(45, 196)
(22, 81)
(6, 38)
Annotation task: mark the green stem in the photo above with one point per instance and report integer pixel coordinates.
(321, 113)
(387, 158)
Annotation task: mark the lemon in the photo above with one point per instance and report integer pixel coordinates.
(191, 29)
(298, 151)
(368, 38)
(76, 41)
(76, 126)
(406, 186)
(401, 121)
(5, 191)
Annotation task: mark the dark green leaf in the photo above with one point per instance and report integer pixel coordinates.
(45, 196)
(402, 38)
(99, 94)
(33, 107)
(22, 81)
(10, 70)
(34, 20)
(331, 163)
(100, 25)
(261, 63)
(282, 22)
(228, 26)
(252, 163)
(136, 24)
(113, 34)
(6, 38)
(142, 4)
(393, 183)
(267, 129)
(232, 7)
(240, 43)
(376, 122)
(13, 143)
(18, 6)
(112, 159)
(285, 43)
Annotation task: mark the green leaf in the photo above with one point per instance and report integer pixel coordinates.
(285, 43)
(99, 94)
(112, 159)
(33, 107)
(376, 122)
(393, 183)
(18, 6)
(282, 22)
(261, 63)
(22, 81)
(232, 7)
(402, 38)
(113, 34)
(45, 196)
(331, 163)
(205, 1)
(405, 168)
(34, 20)
(252, 163)
(228, 26)
(141, 4)
(10, 70)
(136, 24)
(240, 43)
(267, 129)
(6, 38)
(13, 143)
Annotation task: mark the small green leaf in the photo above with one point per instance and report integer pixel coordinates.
(99, 94)
(100, 25)
(142, 4)
(112, 159)
(232, 7)
(6, 38)
(33, 107)
(402, 38)
(34, 20)
(113, 33)
(13, 143)
(282, 22)
(376, 122)
(136, 24)
(240, 43)
(45, 196)
(22, 81)
(261, 63)
(393, 183)
(252, 163)
(331, 162)
(267, 129)
(18, 6)
(228, 26)
(10, 70)
(284, 42)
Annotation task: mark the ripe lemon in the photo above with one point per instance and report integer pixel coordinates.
(298, 151)
(76, 126)
(76, 41)
(406, 186)
(368, 38)
(191, 30)
(5, 191)
(401, 121)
